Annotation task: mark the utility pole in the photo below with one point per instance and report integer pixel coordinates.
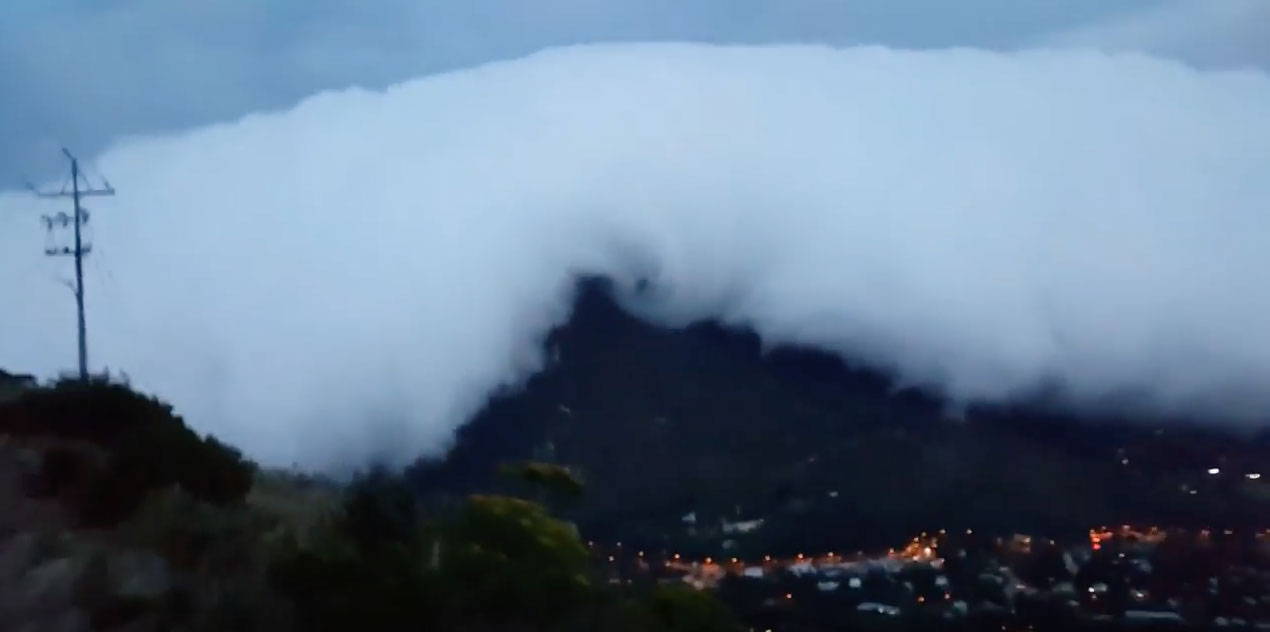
(77, 220)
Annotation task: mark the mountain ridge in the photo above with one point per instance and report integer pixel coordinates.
(666, 422)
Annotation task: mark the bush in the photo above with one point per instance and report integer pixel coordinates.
(496, 563)
(499, 563)
(147, 447)
(682, 609)
(379, 511)
(507, 559)
(547, 477)
(367, 569)
(66, 470)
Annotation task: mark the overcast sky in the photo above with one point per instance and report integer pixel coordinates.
(83, 72)
(1090, 220)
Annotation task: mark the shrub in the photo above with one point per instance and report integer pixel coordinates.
(550, 477)
(506, 559)
(366, 570)
(682, 609)
(147, 447)
(379, 510)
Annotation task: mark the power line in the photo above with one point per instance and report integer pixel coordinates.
(76, 221)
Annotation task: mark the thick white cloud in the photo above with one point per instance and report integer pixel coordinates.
(350, 278)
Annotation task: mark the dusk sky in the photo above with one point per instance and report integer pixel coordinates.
(367, 219)
(80, 73)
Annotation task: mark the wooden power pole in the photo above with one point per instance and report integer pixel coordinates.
(77, 221)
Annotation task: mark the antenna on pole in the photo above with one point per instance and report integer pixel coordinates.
(76, 221)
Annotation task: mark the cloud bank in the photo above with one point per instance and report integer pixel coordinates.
(349, 279)
(80, 73)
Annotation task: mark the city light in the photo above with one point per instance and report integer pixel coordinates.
(707, 572)
(1214, 471)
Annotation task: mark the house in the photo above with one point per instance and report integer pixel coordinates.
(742, 526)
(878, 608)
(1153, 617)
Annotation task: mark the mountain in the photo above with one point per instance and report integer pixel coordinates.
(677, 431)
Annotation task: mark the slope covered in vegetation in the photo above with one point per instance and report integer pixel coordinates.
(704, 423)
(114, 515)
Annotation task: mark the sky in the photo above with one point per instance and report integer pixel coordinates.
(81, 73)
(326, 275)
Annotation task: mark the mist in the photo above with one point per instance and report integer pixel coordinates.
(349, 279)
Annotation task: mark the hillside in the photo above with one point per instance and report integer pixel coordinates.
(701, 423)
(114, 515)
(117, 516)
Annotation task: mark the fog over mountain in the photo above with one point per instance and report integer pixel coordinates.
(350, 278)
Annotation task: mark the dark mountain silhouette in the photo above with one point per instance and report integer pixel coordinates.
(701, 422)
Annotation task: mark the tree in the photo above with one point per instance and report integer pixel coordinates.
(506, 559)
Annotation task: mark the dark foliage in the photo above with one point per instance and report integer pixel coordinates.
(340, 590)
(369, 571)
(507, 561)
(496, 563)
(380, 511)
(13, 385)
(546, 477)
(116, 445)
(682, 609)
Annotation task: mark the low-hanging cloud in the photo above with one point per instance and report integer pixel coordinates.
(350, 279)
